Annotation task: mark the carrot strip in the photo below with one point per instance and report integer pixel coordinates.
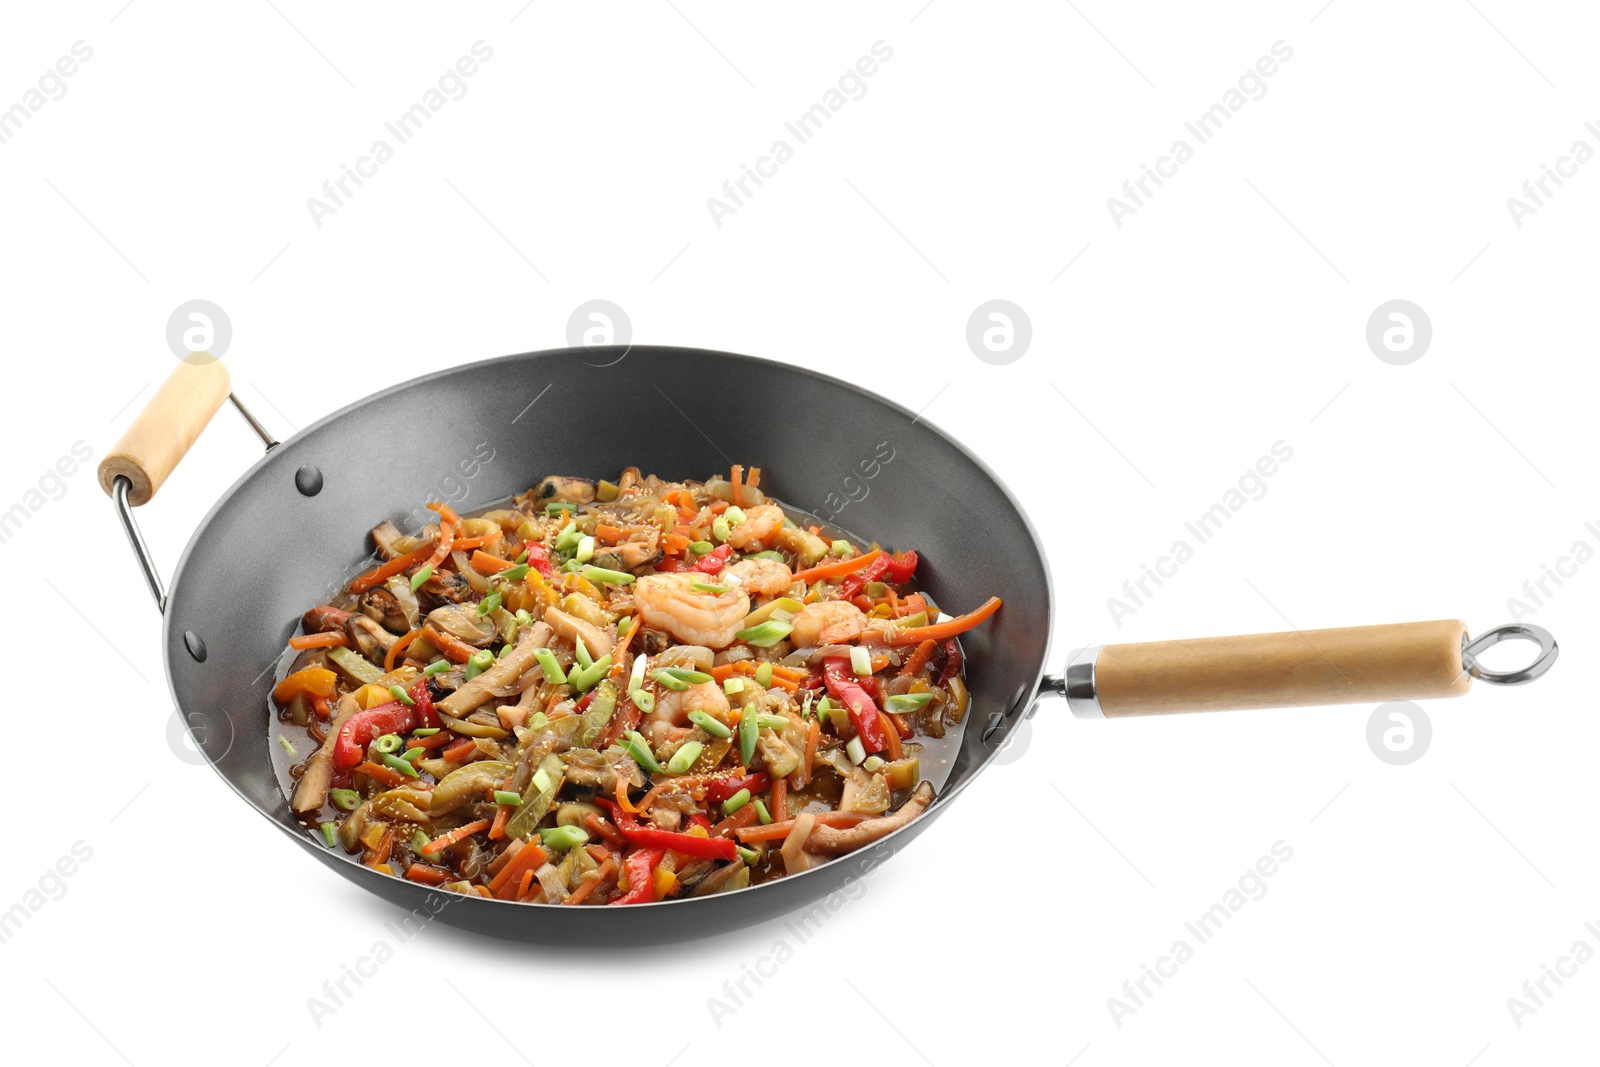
(449, 526)
(486, 564)
(609, 534)
(443, 737)
(777, 831)
(465, 543)
(444, 841)
(813, 737)
(525, 885)
(497, 829)
(939, 631)
(754, 480)
(427, 874)
(498, 864)
(737, 821)
(385, 571)
(380, 855)
(737, 478)
(332, 639)
(839, 569)
(454, 650)
(603, 828)
(617, 664)
(528, 859)
(780, 800)
(398, 647)
(388, 777)
(483, 891)
(465, 745)
(675, 544)
(891, 735)
(594, 878)
(919, 658)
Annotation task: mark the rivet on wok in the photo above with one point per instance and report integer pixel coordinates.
(996, 720)
(308, 480)
(196, 647)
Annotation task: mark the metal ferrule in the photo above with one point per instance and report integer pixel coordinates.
(1082, 698)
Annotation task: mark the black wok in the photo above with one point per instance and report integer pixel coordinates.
(296, 523)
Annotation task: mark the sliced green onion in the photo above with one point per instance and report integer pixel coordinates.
(541, 780)
(538, 721)
(559, 506)
(735, 515)
(761, 811)
(872, 764)
(589, 677)
(766, 634)
(700, 548)
(508, 798)
(571, 566)
(750, 855)
(345, 799)
(668, 681)
(422, 575)
(552, 670)
(398, 692)
(608, 576)
(919, 619)
(840, 548)
(776, 557)
(634, 745)
(581, 652)
(488, 604)
(735, 802)
(904, 703)
(411, 755)
(623, 622)
(330, 833)
(684, 674)
(860, 661)
(479, 662)
(522, 557)
(419, 841)
(568, 538)
(425, 731)
(805, 711)
(396, 763)
(514, 574)
(707, 587)
(387, 743)
(636, 679)
(720, 529)
(684, 758)
(856, 750)
(748, 728)
(643, 699)
(288, 746)
(505, 650)
(764, 675)
(585, 549)
(709, 725)
(562, 838)
(733, 685)
(876, 590)
(438, 666)
(773, 722)
(523, 618)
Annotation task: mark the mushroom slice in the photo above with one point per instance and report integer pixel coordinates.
(462, 622)
(566, 490)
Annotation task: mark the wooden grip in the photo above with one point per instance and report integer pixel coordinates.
(1356, 664)
(161, 435)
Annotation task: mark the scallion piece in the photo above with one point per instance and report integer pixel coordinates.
(840, 548)
(505, 650)
(522, 557)
(761, 811)
(396, 763)
(636, 679)
(685, 674)
(700, 548)
(585, 549)
(420, 577)
(856, 750)
(523, 618)
(419, 841)
(514, 574)
(552, 670)
(425, 731)
(345, 799)
(707, 587)
(488, 604)
(330, 833)
(764, 675)
(772, 722)
(568, 538)
(562, 838)
(571, 566)
(766, 634)
(438, 666)
(411, 755)
(581, 652)
(872, 764)
(559, 506)
(735, 515)
(775, 556)
(607, 576)
(720, 528)
(387, 743)
(684, 758)
(288, 746)
(860, 661)
(643, 699)
(905, 703)
(751, 856)
(733, 685)
(538, 721)
(541, 780)
(735, 802)
(708, 724)
(667, 680)
(399, 693)
(508, 798)
(634, 745)
(589, 677)
(748, 729)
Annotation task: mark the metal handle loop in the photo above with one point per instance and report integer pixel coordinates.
(1548, 650)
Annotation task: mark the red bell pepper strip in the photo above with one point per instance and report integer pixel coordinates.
(720, 789)
(705, 848)
(952, 662)
(640, 865)
(900, 568)
(712, 562)
(843, 687)
(364, 726)
(427, 714)
(539, 560)
(853, 584)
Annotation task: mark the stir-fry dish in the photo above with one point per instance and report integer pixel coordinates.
(616, 693)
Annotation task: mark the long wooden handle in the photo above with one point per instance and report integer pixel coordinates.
(166, 428)
(1357, 664)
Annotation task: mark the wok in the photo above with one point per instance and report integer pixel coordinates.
(296, 523)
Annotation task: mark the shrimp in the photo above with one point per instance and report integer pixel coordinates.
(766, 577)
(827, 622)
(668, 602)
(759, 525)
(673, 706)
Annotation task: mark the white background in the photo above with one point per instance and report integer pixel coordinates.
(1227, 314)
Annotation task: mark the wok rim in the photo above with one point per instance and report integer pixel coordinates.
(1022, 707)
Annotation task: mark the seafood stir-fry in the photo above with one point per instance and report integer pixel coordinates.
(618, 692)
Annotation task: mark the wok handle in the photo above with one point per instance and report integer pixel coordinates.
(164, 431)
(1352, 665)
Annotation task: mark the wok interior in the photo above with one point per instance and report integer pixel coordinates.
(476, 434)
